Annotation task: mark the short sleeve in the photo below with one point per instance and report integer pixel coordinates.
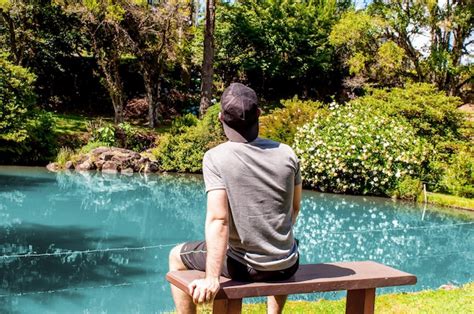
(212, 177)
(298, 179)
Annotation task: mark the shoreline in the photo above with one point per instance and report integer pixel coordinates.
(453, 208)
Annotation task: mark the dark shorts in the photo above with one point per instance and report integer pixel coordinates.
(193, 255)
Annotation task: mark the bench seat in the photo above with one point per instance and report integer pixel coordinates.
(360, 279)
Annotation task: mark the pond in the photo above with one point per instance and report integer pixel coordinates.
(88, 242)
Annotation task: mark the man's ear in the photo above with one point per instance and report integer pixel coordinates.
(220, 116)
(259, 112)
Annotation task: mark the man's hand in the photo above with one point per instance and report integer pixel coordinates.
(204, 290)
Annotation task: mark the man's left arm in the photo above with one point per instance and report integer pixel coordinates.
(217, 234)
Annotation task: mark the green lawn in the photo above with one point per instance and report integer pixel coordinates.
(460, 300)
(70, 124)
(450, 200)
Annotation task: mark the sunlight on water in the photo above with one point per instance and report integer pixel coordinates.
(87, 242)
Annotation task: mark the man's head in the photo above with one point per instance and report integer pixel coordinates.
(239, 113)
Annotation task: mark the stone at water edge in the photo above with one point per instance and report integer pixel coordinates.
(110, 167)
(53, 166)
(69, 165)
(151, 167)
(85, 166)
(99, 164)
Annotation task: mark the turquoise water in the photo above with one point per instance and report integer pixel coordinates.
(90, 243)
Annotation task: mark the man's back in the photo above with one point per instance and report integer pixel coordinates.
(259, 178)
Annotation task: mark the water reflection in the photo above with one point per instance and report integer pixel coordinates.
(69, 213)
(349, 228)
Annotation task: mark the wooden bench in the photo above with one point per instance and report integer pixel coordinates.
(360, 279)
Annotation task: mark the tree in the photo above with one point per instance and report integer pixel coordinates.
(39, 35)
(208, 57)
(393, 41)
(101, 24)
(278, 46)
(154, 35)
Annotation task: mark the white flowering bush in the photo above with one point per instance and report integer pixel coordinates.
(355, 149)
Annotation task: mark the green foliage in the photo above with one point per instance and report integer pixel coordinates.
(281, 124)
(26, 133)
(407, 189)
(17, 100)
(184, 151)
(429, 111)
(102, 132)
(274, 40)
(64, 155)
(381, 43)
(357, 149)
(182, 123)
(458, 178)
(39, 35)
(130, 137)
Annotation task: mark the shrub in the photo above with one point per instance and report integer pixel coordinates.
(354, 149)
(182, 123)
(26, 133)
(102, 131)
(281, 124)
(17, 100)
(407, 189)
(458, 178)
(184, 150)
(433, 114)
(64, 155)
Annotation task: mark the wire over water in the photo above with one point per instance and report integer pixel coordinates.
(159, 246)
(118, 249)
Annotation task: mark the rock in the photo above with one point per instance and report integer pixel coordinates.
(99, 163)
(127, 171)
(85, 166)
(112, 160)
(110, 167)
(106, 156)
(53, 166)
(100, 150)
(151, 167)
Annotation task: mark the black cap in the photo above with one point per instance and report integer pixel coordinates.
(239, 111)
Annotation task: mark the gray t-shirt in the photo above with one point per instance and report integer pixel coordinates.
(259, 178)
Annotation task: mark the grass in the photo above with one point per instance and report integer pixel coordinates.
(459, 300)
(70, 124)
(450, 200)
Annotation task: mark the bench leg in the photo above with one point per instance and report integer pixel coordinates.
(225, 306)
(360, 301)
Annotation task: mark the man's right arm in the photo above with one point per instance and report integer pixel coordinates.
(296, 202)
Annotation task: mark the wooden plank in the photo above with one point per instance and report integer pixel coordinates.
(308, 278)
(361, 301)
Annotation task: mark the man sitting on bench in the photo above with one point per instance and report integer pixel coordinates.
(253, 190)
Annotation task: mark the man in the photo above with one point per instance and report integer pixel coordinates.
(253, 190)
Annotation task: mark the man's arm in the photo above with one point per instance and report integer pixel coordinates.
(217, 234)
(296, 202)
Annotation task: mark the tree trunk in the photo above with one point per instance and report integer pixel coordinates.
(114, 86)
(208, 59)
(152, 83)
